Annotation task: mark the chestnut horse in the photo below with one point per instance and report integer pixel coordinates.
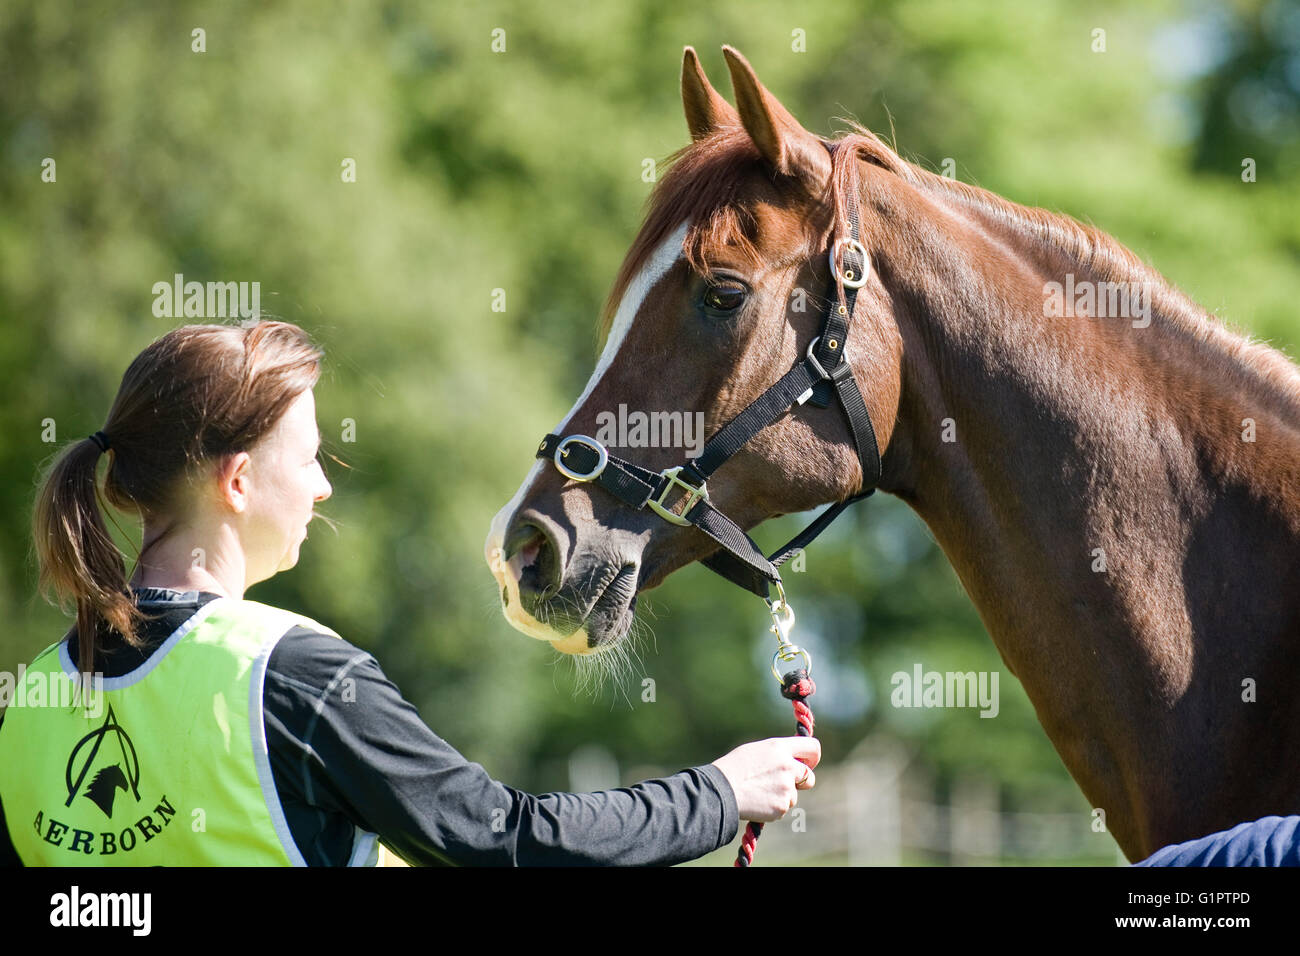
(1114, 476)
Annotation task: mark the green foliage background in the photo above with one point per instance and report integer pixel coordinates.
(521, 170)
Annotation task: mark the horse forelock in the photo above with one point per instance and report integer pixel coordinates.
(701, 187)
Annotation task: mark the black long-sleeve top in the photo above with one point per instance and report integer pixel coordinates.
(338, 766)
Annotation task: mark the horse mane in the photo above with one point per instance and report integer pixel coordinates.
(702, 179)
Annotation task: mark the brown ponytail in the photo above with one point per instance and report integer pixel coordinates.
(197, 394)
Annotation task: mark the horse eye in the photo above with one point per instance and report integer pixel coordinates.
(724, 298)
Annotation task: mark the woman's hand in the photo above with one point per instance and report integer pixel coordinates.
(767, 775)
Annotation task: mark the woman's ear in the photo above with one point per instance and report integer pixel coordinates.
(234, 476)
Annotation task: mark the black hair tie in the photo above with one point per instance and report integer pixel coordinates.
(100, 439)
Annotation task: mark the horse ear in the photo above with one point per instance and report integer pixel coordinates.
(785, 144)
(706, 110)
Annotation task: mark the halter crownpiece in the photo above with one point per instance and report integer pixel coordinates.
(823, 373)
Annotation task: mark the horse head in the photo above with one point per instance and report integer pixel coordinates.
(724, 288)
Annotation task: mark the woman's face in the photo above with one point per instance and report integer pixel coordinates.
(286, 481)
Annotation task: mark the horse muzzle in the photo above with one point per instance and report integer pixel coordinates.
(582, 606)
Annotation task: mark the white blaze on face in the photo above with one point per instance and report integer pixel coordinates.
(663, 258)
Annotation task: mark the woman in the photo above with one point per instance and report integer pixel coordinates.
(233, 733)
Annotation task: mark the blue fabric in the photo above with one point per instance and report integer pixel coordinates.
(1269, 841)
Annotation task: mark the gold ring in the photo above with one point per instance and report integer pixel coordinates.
(804, 779)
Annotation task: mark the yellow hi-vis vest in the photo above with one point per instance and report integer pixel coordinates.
(164, 766)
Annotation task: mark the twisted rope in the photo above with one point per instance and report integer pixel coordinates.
(796, 687)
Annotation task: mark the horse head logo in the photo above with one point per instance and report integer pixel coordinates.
(110, 778)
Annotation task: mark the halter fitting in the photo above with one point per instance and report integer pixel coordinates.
(602, 458)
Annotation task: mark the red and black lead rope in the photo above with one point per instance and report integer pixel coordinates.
(796, 687)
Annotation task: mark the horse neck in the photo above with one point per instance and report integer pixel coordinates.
(1093, 485)
(1060, 435)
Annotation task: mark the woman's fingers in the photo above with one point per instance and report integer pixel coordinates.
(766, 775)
(806, 750)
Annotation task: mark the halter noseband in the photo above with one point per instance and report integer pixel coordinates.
(823, 369)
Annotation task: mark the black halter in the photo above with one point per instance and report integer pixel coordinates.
(821, 371)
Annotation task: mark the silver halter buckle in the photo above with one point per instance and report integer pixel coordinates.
(562, 451)
(848, 278)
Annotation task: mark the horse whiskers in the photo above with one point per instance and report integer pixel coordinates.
(612, 663)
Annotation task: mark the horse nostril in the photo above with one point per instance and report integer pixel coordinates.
(532, 558)
(521, 537)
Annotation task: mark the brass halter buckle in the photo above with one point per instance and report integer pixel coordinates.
(562, 451)
(693, 495)
(848, 278)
